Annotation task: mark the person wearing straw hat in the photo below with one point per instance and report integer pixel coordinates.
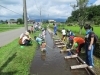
(26, 39)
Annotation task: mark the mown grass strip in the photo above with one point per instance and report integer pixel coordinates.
(6, 27)
(76, 29)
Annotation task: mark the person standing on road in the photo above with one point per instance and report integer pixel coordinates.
(89, 45)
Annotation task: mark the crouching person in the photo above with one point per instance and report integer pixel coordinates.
(78, 43)
(43, 46)
(26, 40)
(38, 40)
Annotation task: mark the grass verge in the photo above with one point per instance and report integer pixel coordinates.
(16, 60)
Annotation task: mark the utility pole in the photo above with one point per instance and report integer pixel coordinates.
(48, 20)
(40, 16)
(25, 15)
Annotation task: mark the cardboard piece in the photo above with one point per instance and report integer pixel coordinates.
(65, 50)
(57, 43)
(59, 46)
(79, 66)
(71, 56)
(57, 40)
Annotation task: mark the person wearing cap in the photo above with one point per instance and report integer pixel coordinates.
(78, 43)
(70, 33)
(70, 36)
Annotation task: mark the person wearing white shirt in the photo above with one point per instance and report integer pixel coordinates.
(63, 33)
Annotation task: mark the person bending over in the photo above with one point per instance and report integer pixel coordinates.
(78, 43)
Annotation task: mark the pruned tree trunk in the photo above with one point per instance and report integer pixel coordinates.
(80, 31)
(81, 24)
(82, 13)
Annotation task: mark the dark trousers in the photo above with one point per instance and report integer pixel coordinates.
(27, 42)
(79, 47)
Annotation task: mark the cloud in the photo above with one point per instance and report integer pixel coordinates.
(53, 8)
(97, 2)
(9, 2)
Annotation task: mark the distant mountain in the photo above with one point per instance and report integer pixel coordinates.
(57, 20)
(60, 20)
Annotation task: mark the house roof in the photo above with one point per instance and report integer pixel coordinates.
(12, 20)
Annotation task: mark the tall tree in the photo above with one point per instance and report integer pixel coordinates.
(20, 20)
(82, 15)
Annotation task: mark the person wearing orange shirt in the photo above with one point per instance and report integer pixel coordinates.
(78, 43)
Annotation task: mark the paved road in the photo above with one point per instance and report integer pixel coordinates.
(9, 36)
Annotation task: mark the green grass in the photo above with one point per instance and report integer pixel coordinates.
(15, 60)
(97, 65)
(6, 27)
(76, 29)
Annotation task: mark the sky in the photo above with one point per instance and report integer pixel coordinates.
(49, 8)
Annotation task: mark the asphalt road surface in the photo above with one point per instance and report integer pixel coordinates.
(9, 36)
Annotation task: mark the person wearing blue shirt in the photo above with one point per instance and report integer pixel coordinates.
(89, 45)
(38, 39)
(55, 29)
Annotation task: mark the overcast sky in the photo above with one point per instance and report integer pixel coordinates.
(49, 8)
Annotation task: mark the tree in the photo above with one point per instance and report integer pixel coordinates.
(6, 21)
(91, 15)
(1, 21)
(20, 21)
(45, 21)
(82, 15)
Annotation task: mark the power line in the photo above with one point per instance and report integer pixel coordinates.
(10, 10)
(36, 5)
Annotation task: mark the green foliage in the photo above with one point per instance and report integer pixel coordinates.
(96, 20)
(3, 22)
(46, 21)
(6, 27)
(92, 13)
(20, 21)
